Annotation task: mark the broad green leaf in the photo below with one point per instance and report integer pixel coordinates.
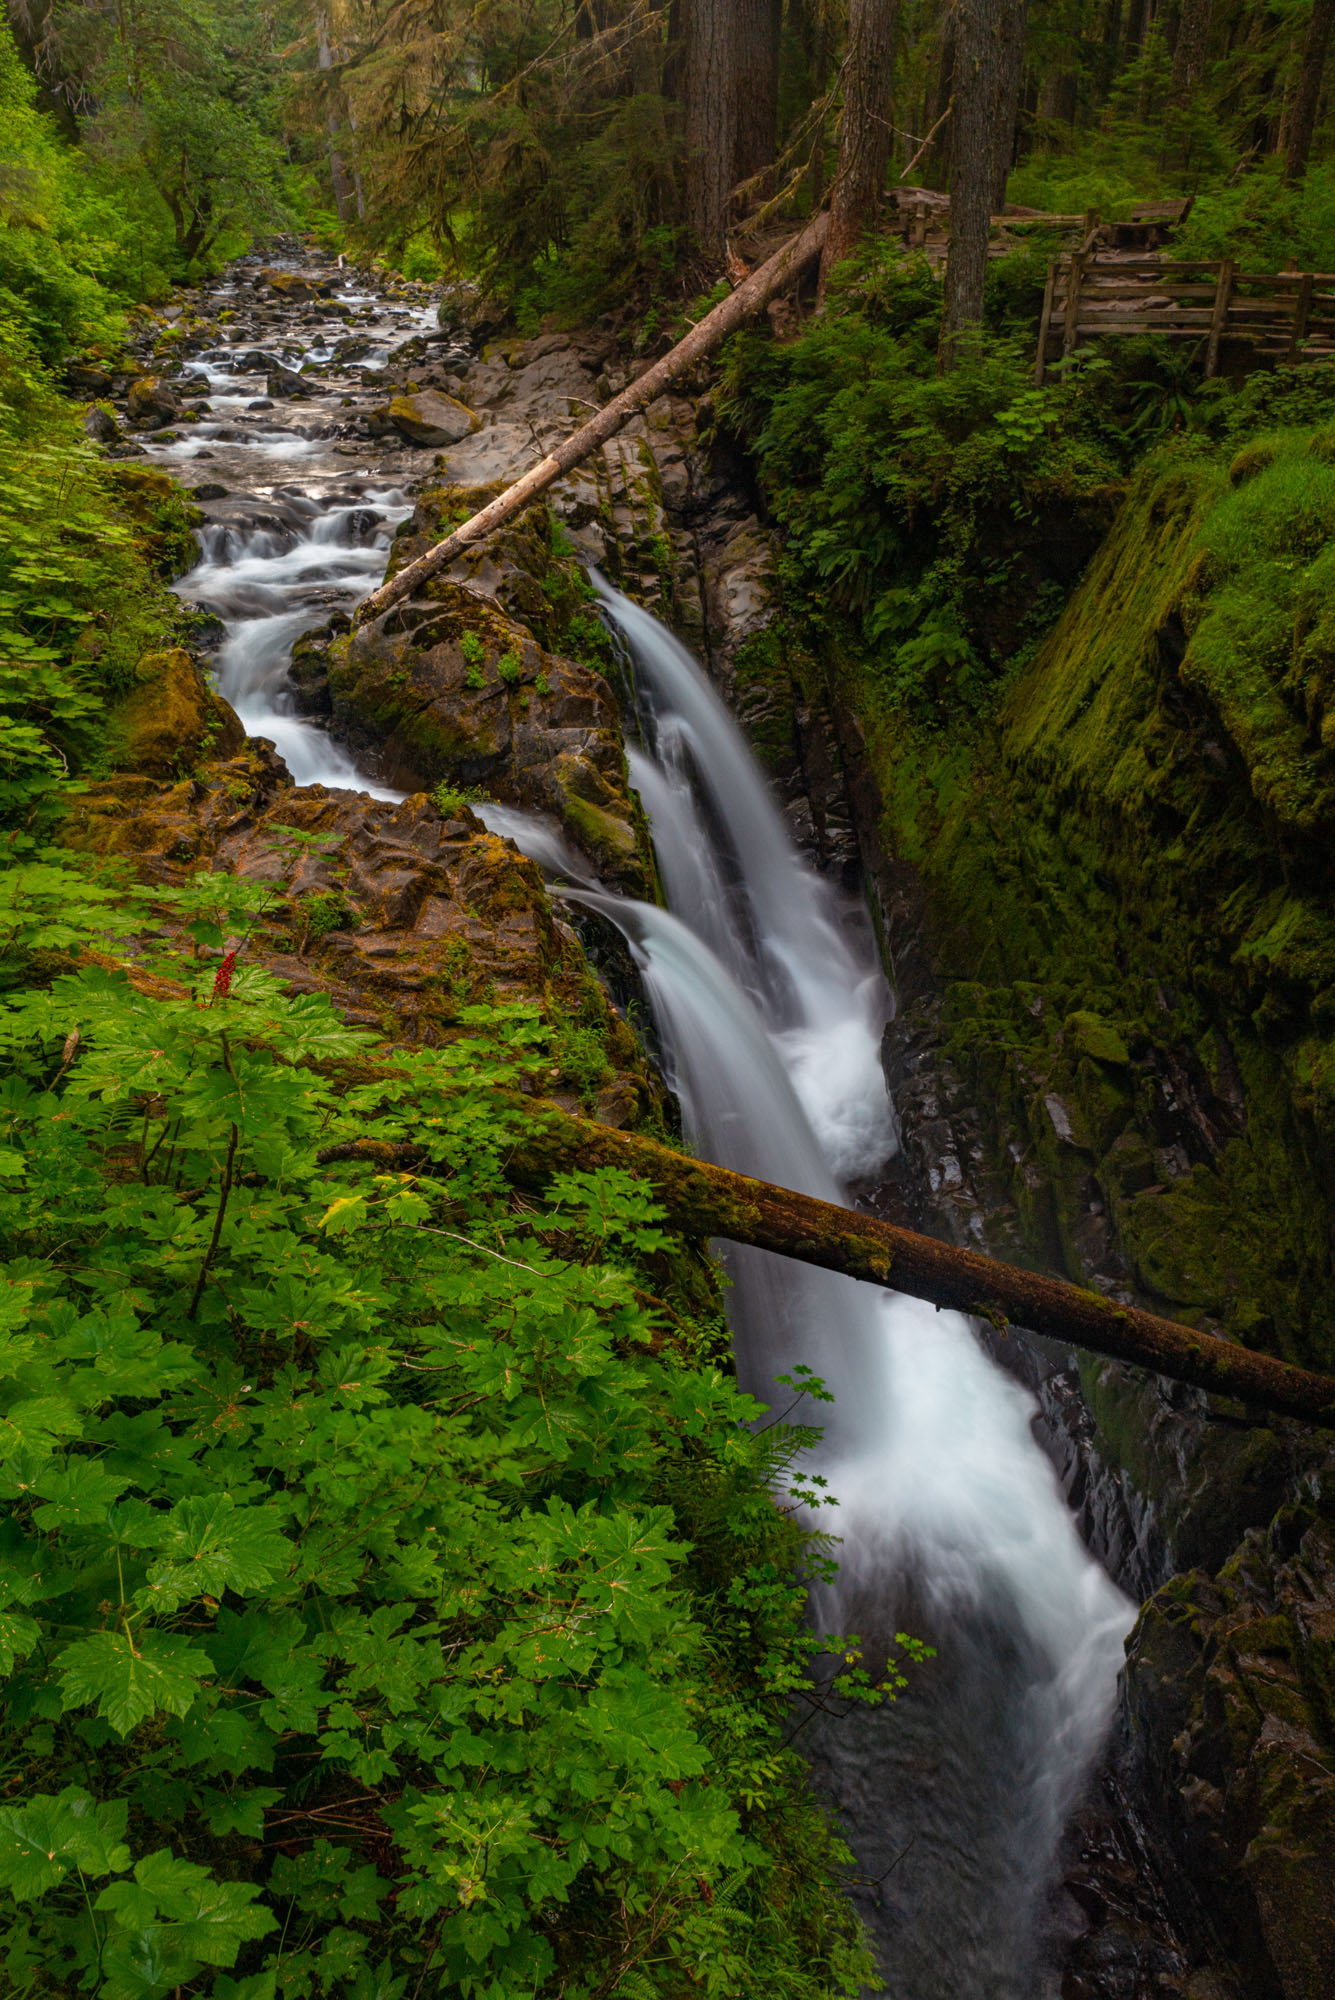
(129, 1683)
(210, 1545)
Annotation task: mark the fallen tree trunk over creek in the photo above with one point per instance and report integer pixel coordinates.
(749, 298)
(704, 1200)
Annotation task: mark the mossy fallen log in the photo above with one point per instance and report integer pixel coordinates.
(705, 1200)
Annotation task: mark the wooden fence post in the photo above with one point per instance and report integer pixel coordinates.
(1302, 307)
(1219, 319)
(1074, 279)
(1045, 319)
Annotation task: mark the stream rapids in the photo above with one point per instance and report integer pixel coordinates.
(769, 1005)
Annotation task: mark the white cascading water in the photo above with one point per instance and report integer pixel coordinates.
(950, 1515)
(253, 577)
(323, 540)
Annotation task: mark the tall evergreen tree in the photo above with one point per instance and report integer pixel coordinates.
(864, 128)
(1307, 100)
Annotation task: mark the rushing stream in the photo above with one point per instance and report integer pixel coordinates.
(951, 1521)
(770, 1008)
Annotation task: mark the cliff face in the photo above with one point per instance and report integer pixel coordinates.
(1111, 917)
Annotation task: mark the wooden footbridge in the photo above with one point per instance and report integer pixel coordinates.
(1285, 317)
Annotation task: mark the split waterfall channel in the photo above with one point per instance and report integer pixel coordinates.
(770, 1006)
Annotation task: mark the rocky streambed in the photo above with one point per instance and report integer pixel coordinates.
(323, 427)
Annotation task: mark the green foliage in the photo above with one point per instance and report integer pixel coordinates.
(78, 603)
(451, 799)
(387, 1604)
(916, 504)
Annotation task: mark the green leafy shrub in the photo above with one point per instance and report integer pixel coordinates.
(387, 1603)
(940, 517)
(78, 601)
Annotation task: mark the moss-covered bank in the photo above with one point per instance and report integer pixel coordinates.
(1129, 885)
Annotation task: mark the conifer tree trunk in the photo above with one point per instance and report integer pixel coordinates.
(757, 82)
(338, 172)
(712, 44)
(864, 128)
(978, 76)
(1014, 19)
(1307, 101)
(1193, 32)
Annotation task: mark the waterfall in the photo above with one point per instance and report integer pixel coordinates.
(770, 1009)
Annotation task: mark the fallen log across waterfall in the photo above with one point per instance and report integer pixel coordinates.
(705, 1200)
(749, 298)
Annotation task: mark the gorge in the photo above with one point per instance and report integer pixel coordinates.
(770, 1014)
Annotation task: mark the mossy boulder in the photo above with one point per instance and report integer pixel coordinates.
(171, 719)
(430, 418)
(454, 691)
(164, 520)
(150, 404)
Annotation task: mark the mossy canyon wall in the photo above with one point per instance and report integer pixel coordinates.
(1109, 914)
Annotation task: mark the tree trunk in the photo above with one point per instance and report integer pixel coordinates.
(704, 1200)
(1014, 21)
(1307, 101)
(1060, 96)
(757, 114)
(750, 297)
(978, 71)
(938, 159)
(1193, 34)
(711, 120)
(864, 129)
(338, 173)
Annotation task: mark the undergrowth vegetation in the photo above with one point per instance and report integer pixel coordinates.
(392, 1598)
(936, 524)
(79, 600)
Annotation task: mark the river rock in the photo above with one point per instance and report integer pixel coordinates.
(100, 425)
(456, 691)
(291, 286)
(432, 912)
(286, 382)
(429, 418)
(172, 718)
(150, 404)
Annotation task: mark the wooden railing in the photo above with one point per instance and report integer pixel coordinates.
(1285, 316)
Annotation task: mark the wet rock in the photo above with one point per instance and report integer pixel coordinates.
(453, 690)
(172, 719)
(1232, 1711)
(150, 404)
(285, 382)
(82, 379)
(353, 347)
(100, 425)
(430, 418)
(291, 286)
(402, 916)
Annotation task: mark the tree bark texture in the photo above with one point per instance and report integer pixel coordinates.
(978, 64)
(704, 1200)
(1193, 35)
(864, 129)
(757, 84)
(750, 297)
(712, 42)
(338, 172)
(1307, 99)
(1012, 23)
